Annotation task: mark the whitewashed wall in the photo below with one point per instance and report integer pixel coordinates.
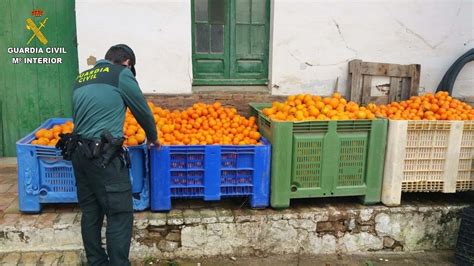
(159, 32)
(312, 41)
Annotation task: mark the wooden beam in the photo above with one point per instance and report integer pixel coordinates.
(384, 69)
(394, 92)
(366, 89)
(405, 88)
(355, 80)
(415, 79)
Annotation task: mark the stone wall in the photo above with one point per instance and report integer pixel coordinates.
(311, 231)
(218, 231)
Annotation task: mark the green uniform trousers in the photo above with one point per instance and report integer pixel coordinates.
(104, 191)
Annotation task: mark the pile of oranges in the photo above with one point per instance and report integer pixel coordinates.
(439, 106)
(132, 131)
(49, 137)
(201, 124)
(207, 124)
(204, 124)
(305, 107)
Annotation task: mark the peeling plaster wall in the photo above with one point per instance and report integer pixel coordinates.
(314, 40)
(159, 32)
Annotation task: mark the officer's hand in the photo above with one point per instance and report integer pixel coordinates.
(155, 144)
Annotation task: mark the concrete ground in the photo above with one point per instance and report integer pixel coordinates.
(42, 258)
(441, 257)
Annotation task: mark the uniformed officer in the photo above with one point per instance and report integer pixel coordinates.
(100, 98)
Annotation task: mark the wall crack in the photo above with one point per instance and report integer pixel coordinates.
(342, 37)
(418, 36)
(319, 65)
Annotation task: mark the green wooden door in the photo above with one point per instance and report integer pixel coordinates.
(230, 41)
(32, 93)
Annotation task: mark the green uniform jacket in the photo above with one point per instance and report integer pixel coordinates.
(100, 98)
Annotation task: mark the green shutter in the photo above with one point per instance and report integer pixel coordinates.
(244, 58)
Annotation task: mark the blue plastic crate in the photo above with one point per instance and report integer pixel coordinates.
(45, 177)
(210, 172)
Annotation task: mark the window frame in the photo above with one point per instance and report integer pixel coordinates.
(229, 50)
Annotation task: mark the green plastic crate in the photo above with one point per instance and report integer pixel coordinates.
(324, 158)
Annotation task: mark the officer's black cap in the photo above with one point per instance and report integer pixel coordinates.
(129, 51)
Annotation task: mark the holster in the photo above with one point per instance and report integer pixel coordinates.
(112, 147)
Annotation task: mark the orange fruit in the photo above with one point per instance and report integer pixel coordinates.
(43, 141)
(370, 116)
(337, 95)
(166, 129)
(40, 133)
(129, 132)
(57, 128)
(319, 105)
(255, 135)
(133, 128)
(361, 115)
(131, 141)
(48, 134)
(325, 110)
(314, 112)
(331, 113)
(67, 129)
(53, 142)
(140, 138)
(334, 103)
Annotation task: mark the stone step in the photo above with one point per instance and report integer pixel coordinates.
(232, 231)
(70, 257)
(77, 257)
(8, 165)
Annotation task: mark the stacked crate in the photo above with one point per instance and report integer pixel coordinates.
(210, 172)
(45, 177)
(324, 158)
(428, 156)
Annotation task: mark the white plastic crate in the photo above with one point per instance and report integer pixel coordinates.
(428, 156)
(465, 179)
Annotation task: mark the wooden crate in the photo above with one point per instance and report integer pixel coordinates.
(404, 81)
